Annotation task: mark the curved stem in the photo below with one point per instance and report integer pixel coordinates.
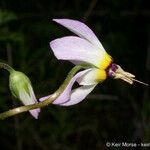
(46, 102)
(6, 66)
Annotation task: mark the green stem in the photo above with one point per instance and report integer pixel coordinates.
(6, 66)
(46, 102)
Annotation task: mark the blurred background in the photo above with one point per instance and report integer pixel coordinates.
(113, 112)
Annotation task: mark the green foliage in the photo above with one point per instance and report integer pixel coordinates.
(6, 17)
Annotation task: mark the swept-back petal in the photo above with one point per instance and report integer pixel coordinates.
(65, 96)
(93, 76)
(77, 49)
(32, 95)
(79, 94)
(29, 99)
(81, 30)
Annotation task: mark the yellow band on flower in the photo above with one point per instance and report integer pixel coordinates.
(103, 65)
(101, 76)
(105, 61)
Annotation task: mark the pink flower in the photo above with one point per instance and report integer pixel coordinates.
(83, 48)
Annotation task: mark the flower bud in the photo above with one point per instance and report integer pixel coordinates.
(21, 88)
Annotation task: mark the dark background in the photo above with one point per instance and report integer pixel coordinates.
(113, 112)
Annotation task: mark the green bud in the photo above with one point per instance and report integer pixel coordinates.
(21, 88)
(18, 81)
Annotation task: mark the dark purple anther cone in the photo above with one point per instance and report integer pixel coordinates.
(114, 67)
(111, 70)
(110, 73)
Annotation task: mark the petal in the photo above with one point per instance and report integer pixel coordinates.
(44, 98)
(76, 49)
(32, 95)
(65, 96)
(92, 77)
(35, 113)
(34, 100)
(27, 100)
(79, 94)
(81, 30)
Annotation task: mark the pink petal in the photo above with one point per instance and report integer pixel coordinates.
(65, 96)
(81, 30)
(28, 99)
(35, 113)
(79, 94)
(76, 49)
(44, 98)
(90, 78)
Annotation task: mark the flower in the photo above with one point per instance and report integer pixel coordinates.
(84, 48)
(21, 88)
